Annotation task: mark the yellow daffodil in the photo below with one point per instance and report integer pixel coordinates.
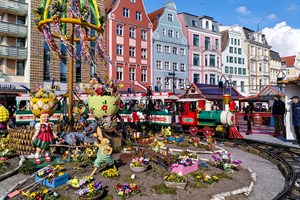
(33, 195)
(45, 191)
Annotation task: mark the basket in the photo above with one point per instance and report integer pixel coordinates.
(41, 105)
(92, 198)
(175, 185)
(100, 106)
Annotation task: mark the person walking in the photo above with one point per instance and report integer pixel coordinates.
(296, 116)
(248, 116)
(278, 111)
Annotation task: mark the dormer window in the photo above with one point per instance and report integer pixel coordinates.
(170, 17)
(194, 24)
(207, 25)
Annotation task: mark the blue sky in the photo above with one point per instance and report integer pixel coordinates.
(279, 20)
(247, 13)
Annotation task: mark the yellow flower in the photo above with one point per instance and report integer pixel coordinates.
(45, 191)
(198, 177)
(32, 195)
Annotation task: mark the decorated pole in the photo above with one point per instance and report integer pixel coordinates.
(71, 63)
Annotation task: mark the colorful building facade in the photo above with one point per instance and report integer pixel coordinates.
(204, 40)
(170, 50)
(128, 36)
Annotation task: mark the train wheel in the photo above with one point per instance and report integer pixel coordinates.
(193, 130)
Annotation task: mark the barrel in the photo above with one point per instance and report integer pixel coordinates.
(257, 119)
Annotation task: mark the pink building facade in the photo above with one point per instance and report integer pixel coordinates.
(204, 40)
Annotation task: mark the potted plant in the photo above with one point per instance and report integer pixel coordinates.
(174, 180)
(139, 164)
(127, 190)
(91, 191)
(45, 194)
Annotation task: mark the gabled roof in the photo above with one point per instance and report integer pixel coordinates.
(215, 92)
(289, 61)
(265, 94)
(275, 55)
(154, 17)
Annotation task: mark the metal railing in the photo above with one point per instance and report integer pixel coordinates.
(13, 29)
(14, 6)
(13, 52)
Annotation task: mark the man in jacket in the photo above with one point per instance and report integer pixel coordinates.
(278, 111)
(296, 116)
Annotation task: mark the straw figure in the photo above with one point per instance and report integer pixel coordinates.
(104, 151)
(43, 137)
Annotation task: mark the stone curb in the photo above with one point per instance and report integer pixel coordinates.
(14, 171)
(245, 190)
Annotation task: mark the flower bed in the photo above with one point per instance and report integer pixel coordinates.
(93, 190)
(127, 190)
(175, 180)
(223, 160)
(111, 173)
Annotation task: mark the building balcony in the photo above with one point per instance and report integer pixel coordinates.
(13, 52)
(209, 47)
(14, 6)
(13, 29)
(261, 57)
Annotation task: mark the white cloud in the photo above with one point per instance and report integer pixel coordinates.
(284, 39)
(292, 7)
(242, 10)
(272, 16)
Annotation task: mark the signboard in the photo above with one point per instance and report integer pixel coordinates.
(12, 85)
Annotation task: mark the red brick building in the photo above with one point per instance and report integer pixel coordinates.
(128, 38)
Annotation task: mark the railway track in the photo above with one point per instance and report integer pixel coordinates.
(285, 157)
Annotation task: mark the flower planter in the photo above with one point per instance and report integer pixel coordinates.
(92, 198)
(175, 185)
(184, 169)
(101, 106)
(55, 182)
(138, 169)
(41, 105)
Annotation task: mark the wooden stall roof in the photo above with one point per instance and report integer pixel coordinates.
(265, 94)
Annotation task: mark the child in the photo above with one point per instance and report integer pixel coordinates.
(42, 137)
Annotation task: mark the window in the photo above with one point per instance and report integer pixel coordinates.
(212, 79)
(226, 69)
(195, 40)
(177, 34)
(194, 24)
(231, 70)
(182, 67)
(207, 25)
(138, 16)
(242, 86)
(144, 53)
(167, 83)
(212, 60)
(132, 32)
(239, 51)
(63, 63)
(158, 64)
(244, 71)
(170, 17)
(20, 67)
(144, 35)
(144, 75)
(131, 74)
(239, 60)
(164, 32)
(20, 42)
(119, 73)
(205, 60)
(235, 70)
(234, 84)
(239, 42)
(196, 78)
(167, 49)
(235, 60)
(230, 49)
(158, 48)
(170, 33)
(119, 30)
(196, 59)
(231, 59)
(235, 42)
(21, 20)
(235, 51)
(119, 49)
(217, 44)
(240, 70)
(133, 1)
(182, 51)
(167, 65)
(132, 51)
(175, 66)
(207, 43)
(206, 79)
(126, 12)
(175, 50)
(231, 40)
(46, 62)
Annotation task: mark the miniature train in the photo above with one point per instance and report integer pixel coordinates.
(161, 109)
